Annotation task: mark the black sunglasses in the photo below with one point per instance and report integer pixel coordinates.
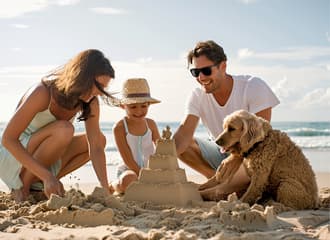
(207, 71)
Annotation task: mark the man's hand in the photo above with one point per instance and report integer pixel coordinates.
(210, 183)
(228, 168)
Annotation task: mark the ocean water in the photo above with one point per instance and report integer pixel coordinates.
(307, 135)
(312, 137)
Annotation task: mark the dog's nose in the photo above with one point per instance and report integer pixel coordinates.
(219, 141)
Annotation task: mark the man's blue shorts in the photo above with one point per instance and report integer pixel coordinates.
(211, 152)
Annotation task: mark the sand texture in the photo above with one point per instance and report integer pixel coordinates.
(99, 216)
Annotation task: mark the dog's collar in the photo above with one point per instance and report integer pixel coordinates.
(245, 154)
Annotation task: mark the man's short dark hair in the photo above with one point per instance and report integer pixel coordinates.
(209, 49)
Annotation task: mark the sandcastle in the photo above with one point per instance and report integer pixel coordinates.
(163, 181)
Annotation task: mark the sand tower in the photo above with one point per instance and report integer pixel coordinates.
(163, 181)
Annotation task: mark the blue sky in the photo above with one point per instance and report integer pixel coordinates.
(285, 42)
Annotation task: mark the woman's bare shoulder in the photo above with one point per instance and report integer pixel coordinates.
(38, 95)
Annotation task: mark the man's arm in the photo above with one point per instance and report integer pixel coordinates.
(184, 135)
(265, 114)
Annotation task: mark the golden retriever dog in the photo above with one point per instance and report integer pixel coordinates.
(275, 164)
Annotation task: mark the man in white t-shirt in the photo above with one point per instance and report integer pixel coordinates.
(219, 95)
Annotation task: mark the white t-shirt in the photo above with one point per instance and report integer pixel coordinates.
(248, 93)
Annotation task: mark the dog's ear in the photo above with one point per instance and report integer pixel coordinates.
(252, 133)
(245, 137)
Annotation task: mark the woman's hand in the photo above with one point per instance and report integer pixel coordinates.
(108, 188)
(53, 186)
(228, 168)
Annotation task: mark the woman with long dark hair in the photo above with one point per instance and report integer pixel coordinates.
(39, 144)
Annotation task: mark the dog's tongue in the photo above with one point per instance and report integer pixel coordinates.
(223, 150)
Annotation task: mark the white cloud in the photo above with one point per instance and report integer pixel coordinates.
(21, 26)
(16, 49)
(67, 2)
(26, 69)
(247, 1)
(16, 8)
(315, 98)
(29, 73)
(327, 66)
(144, 60)
(291, 54)
(244, 53)
(108, 11)
(282, 89)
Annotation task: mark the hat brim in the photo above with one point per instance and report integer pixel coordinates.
(139, 100)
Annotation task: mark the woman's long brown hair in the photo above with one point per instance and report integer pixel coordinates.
(77, 77)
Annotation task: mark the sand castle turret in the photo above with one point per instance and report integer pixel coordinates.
(163, 181)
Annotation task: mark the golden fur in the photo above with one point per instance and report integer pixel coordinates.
(277, 167)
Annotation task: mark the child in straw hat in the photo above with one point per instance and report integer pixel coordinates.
(135, 135)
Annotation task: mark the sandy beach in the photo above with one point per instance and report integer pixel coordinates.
(89, 214)
(86, 212)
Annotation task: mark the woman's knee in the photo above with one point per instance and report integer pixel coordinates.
(63, 130)
(58, 132)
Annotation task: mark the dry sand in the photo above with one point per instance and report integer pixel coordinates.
(97, 216)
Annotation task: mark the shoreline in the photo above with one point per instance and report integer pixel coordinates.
(85, 176)
(322, 179)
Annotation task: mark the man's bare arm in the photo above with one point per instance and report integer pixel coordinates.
(184, 134)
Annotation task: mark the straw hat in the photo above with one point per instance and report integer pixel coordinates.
(136, 90)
